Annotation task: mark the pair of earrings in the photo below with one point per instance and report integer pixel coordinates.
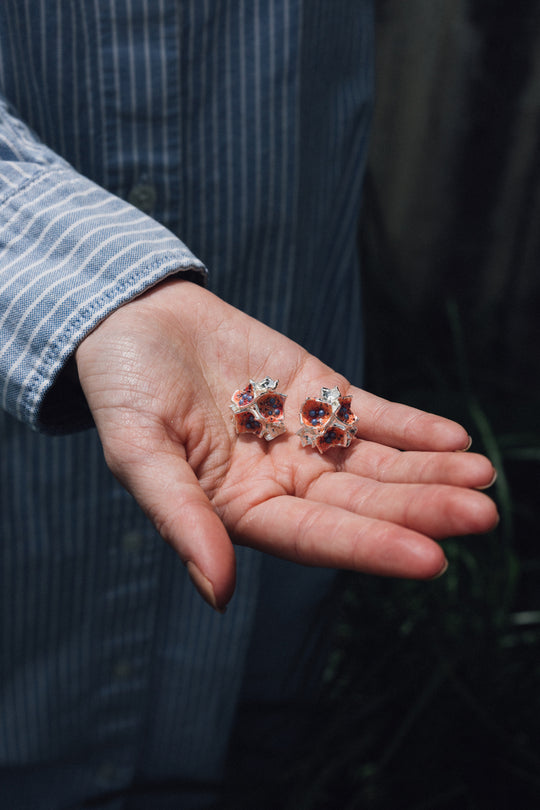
(326, 421)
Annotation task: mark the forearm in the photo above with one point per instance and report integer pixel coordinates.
(72, 253)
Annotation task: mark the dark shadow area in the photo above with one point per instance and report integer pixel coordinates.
(431, 698)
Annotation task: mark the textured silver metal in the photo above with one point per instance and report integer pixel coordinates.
(258, 409)
(327, 421)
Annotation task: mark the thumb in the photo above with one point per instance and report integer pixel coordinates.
(167, 489)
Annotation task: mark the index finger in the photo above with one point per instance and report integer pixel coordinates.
(405, 427)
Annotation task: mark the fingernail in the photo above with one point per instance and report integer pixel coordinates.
(494, 478)
(442, 571)
(467, 446)
(204, 586)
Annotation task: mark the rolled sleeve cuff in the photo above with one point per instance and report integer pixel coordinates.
(72, 254)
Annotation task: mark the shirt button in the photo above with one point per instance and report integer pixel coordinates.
(132, 541)
(122, 670)
(143, 196)
(110, 775)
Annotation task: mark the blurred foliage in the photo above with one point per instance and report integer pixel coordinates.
(432, 697)
(432, 694)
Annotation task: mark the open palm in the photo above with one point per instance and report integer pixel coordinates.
(158, 375)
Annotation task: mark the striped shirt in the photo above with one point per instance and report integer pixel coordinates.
(140, 139)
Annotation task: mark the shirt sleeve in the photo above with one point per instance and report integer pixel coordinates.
(70, 253)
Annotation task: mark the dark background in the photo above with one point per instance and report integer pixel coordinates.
(431, 698)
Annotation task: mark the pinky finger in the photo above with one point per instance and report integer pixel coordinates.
(311, 533)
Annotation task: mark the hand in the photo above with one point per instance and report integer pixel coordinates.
(158, 375)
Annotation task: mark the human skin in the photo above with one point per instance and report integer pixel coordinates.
(158, 375)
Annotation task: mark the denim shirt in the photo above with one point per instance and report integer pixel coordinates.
(140, 139)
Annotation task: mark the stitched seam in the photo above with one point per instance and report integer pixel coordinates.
(62, 346)
(38, 175)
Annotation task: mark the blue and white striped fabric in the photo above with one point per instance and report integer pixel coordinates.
(129, 130)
